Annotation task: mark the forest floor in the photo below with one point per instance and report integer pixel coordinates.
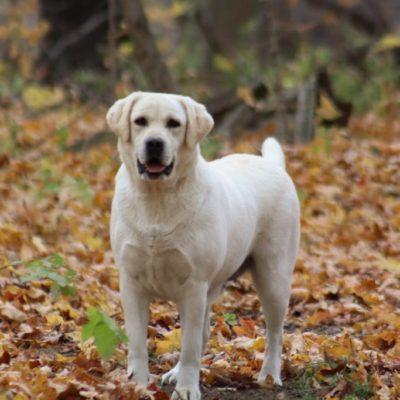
(342, 334)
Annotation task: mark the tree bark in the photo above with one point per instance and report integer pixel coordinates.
(146, 52)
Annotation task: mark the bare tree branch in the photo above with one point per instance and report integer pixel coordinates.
(75, 36)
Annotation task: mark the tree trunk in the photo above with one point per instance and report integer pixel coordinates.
(146, 52)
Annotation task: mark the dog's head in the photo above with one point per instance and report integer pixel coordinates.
(157, 130)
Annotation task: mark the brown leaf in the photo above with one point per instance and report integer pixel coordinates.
(9, 311)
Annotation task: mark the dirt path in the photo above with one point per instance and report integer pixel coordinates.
(248, 394)
(231, 393)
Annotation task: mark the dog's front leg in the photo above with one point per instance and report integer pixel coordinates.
(136, 312)
(192, 310)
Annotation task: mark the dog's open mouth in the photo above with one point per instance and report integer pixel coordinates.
(154, 168)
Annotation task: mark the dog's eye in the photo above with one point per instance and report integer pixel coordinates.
(173, 123)
(141, 121)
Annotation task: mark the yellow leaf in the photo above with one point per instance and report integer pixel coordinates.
(18, 396)
(179, 8)
(301, 359)
(171, 342)
(64, 306)
(95, 243)
(246, 94)
(381, 341)
(258, 344)
(339, 347)
(387, 42)
(126, 49)
(39, 97)
(318, 317)
(223, 63)
(391, 319)
(391, 264)
(327, 109)
(61, 359)
(54, 319)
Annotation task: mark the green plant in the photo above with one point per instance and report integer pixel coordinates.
(91, 81)
(303, 195)
(230, 319)
(210, 147)
(370, 90)
(304, 385)
(53, 268)
(11, 142)
(106, 333)
(81, 189)
(362, 390)
(53, 180)
(62, 134)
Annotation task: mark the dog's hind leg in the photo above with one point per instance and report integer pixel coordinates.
(272, 273)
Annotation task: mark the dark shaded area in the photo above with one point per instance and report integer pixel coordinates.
(76, 31)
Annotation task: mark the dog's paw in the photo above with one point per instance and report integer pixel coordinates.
(186, 393)
(141, 377)
(170, 376)
(270, 373)
(267, 379)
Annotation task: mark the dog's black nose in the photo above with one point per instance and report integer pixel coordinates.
(154, 147)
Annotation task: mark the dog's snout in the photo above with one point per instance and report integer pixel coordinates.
(154, 146)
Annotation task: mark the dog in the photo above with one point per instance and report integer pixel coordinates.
(182, 226)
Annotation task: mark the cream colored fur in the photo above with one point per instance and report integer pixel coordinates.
(182, 236)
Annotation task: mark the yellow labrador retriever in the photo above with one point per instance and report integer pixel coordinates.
(181, 226)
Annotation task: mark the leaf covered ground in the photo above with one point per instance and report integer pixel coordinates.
(342, 334)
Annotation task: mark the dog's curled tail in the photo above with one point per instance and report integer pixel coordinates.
(271, 150)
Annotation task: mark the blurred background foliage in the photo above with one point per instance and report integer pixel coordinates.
(281, 67)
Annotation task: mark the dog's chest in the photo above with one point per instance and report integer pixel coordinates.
(159, 271)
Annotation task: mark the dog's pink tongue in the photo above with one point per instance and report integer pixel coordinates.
(155, 168)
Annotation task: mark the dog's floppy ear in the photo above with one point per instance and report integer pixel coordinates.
(118, 116)
(199, 121)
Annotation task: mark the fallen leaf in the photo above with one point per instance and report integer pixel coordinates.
(170, 342)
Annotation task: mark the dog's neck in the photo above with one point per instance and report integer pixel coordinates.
(164, 206)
